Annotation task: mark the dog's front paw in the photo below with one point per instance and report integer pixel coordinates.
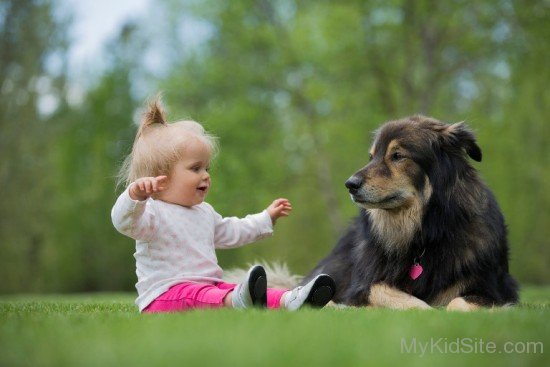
(423, 306)
(460, 304)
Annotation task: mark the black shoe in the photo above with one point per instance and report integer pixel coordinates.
(253, 291)
(317, 293)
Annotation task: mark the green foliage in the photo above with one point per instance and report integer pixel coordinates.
(26, 78)
(85, 251)
(107, 330)
(308, 82)
(294, 91)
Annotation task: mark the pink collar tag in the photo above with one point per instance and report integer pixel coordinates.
(415, 271)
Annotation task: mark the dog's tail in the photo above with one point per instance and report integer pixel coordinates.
(278, 275)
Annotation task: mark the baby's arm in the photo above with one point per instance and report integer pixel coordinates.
(234, 232)
(131, 216)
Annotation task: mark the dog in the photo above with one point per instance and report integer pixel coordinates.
(429, 232)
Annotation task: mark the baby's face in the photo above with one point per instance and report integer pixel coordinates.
(189, 181)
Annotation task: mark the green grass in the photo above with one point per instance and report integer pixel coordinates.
(107, 330)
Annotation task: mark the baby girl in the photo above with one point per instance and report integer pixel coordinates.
(177, 232)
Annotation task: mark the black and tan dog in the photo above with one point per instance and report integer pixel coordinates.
(429, 232)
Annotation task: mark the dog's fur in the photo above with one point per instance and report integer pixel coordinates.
(422, 201)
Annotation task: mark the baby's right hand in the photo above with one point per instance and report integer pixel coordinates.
(144, 187)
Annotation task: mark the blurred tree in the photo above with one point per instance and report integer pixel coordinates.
(294, 90)
(85, 251)
(306, 83)
(31, 87)
(522, 156)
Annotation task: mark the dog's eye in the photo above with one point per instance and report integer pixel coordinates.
(396, 156)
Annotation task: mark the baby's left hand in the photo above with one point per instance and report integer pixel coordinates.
(279, 208)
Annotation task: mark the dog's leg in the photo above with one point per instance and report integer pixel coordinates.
(460, 304)
(382, 295)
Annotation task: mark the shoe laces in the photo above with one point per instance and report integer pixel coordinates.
(294, 293)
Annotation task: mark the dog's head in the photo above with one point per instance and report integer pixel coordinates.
(404, 159)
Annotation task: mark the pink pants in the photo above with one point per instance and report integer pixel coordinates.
(186, 296)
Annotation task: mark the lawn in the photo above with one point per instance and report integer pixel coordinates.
(106, 330)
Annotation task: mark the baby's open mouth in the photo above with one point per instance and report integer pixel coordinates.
(202, 188)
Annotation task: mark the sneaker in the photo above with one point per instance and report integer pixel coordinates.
(253, 291)
(317, 293)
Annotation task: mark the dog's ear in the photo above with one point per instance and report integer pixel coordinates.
(461, 135)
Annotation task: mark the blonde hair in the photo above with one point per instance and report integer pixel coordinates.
(159, 145)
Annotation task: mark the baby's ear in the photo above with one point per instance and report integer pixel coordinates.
(462, 136)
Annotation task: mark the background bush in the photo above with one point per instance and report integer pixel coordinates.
(293, 90)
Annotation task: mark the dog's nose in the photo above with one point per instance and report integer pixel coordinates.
(353, 184)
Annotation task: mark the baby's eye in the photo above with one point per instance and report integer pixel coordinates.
(196, 168)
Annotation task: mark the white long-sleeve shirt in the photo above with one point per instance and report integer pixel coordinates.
(176, 244)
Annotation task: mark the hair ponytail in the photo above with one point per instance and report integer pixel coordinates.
(153, 115)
